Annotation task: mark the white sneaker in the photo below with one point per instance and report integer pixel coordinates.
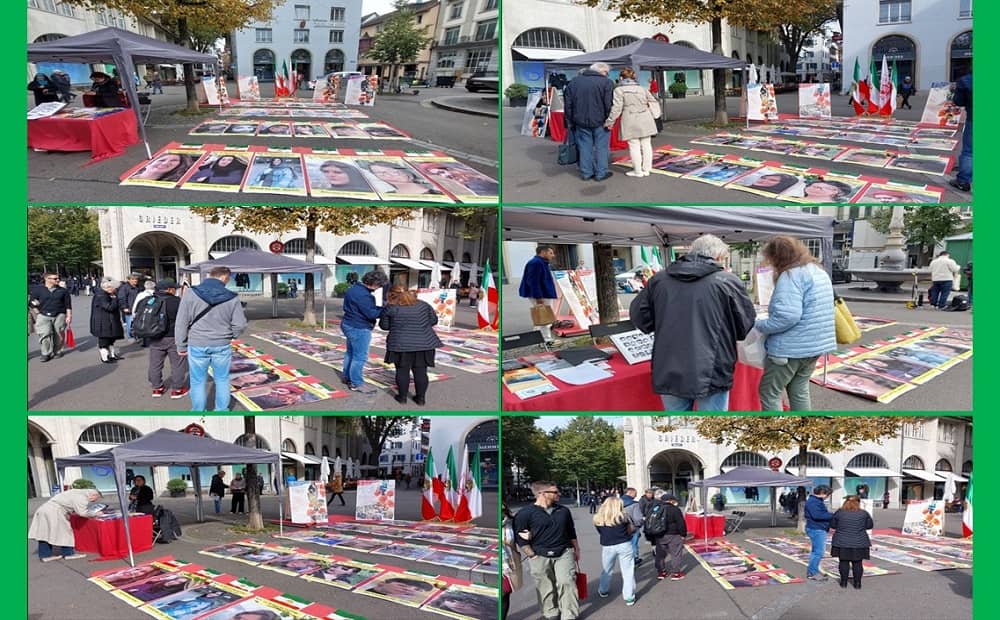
(632, 173)
(645, 173)
(51, 558)
(75, 556)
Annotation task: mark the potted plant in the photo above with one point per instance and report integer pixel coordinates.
(83, 483)
(177, 487)
(678, 90)
(517, 95)
(719, 502)
(341, 288)
(282, 289)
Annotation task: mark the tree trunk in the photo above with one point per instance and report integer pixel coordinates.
(719, 76)
(309, 314)
(184, 39)
(607, 295)
(256, 520)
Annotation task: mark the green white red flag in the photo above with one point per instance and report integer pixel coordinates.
(489, 315)
(470, 504)
(428, 503)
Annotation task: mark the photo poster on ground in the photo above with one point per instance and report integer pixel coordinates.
(814, 101)
(761, 104)
(575, 287)
(43, 110)
(376, 500)
(307, 502)
(940, 110)
(634, 346)
(536, 115)
(443, 301)
(208, 91)
(764, 285)
(924, 518)
(248, 88)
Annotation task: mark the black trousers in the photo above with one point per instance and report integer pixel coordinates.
(846, 566)
(238, 504)
(330, 496)
(906, 102)
(420, 380)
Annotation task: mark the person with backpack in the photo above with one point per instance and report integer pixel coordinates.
(154, 320)
(666, 529)
(148, 288)
(634, 511)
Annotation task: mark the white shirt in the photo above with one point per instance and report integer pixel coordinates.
(944, 268)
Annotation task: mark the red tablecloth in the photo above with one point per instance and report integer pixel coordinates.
(696, 525)
(107, 538)
(105, 136)
(631, 389)
(557, 131)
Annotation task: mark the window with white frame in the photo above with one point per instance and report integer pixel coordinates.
(451, 36)
(946, 432)
(264, 35)
(300, 35)
(455, 11)
(915, 430)
(45, 5)
(965, 8)
(486, 31)
(336, 36)
(893, 11)
(301, 11)
(430, 222)
(66, 9)
(491, 5)
(446, 60)
(337, 14)
(478, 60)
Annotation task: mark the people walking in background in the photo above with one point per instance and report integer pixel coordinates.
(615, 529)
(906, 90)
(666, 529)
(850, 540)
(166, 304)
(634, 511)
(217, 490)
(54, 309)
(128, 292)
(335, 488)
(238, 487)
(510, 560)
(105, 320)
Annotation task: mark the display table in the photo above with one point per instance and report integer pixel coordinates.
(105, 136)
(631, 389)
(557, 130)
(106, 538)
(697, 525)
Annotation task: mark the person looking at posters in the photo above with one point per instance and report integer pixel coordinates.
(55, 311)
(588, 99)
(851, 543)
(817, 525)
(547, 537)
(43, 88)
(50, 524)
(799, 326)
(105, 320)
(943, 272)
(635, 105)
(360, 314)
(538, 286)
(411, 341)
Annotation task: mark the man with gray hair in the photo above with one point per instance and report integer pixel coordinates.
(588, 99)
(698, 310)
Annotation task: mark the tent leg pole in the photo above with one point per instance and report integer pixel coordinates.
(149, 154)
(826, 362)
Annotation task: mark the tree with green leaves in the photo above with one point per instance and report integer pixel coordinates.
(63, 239)
(525, 450)
(589, 451)
(922, 226)
(824, 434)
(277, 220)
(400, 41)
(766, 15)
(814, 17)
(190, 23)
(379, 428)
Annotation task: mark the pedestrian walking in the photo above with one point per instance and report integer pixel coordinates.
(615, 530)
(238, 488)
(638, 109)
(634, 511)
(473, 294)
(588, 100)
(666, 529)
(538, 287)
(963, 98)
(411, 342)
(817, 525)
(105, 320)
(127, 294)
(54, 312)
(851, 543)
(156, 322)
(335, 488)
(360, 315)
(906, 90)
(157, 83)
(217, 490)
(885, 501)
(510, 560)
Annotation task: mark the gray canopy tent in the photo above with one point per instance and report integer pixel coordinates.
(166, 447)
(664, 226)
(122, 48)
(749, 477)
(249, 260)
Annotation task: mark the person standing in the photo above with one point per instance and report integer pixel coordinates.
(537, 284)
(817, 525)
(968, 276)
(667, 530)
(238, 488)
(165, 345)
(105, 320)
(50, 525)
(208, 319)
(43, 88)
(963, 98)
(411, 342)
(588, 99)
(62, 84)
(635, 105)
(360, 315)
(510, 560)
(473, 294)
(799, 324)
(943, 272)
(127, 294)
(634, 511)
(615, 529)
(851, 543)
(55, 312)
(906, 90)
(217, 490)
(157, 83)
(885, 501)
(547, 537)
(698, 310)
(335, 489)
(141, 495)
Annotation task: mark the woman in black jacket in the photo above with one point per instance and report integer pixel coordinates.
(45, 91)
(411, 341)
(850, 540)
(105, 320)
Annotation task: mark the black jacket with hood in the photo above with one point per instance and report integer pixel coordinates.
(698, 312)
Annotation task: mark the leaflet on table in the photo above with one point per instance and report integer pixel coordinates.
(634, 346)
(581, 374)
(527, 382)
(45, 109)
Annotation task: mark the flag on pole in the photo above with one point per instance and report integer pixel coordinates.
(887, 90)
(873, 97)
(470, 504)
(451, 486)
(293, 81)
(489, 316)
(281, 81)
(857, 95)
(445, 490)
(428, 509)
(967, 513)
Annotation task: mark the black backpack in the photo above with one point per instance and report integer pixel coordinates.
(150, 320)
(959, 303)
(656, 521)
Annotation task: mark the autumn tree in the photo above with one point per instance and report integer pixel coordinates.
(525, 449)
(824, 434)
(400, 40)
(589, 451)
(378, 428)
(794, 33)
(765, 15)
(64, 239)
(189, 23)
(921, 226)
(277, 220)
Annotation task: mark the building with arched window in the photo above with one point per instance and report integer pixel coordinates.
(908, 466)
(313, 37)
(931, 42)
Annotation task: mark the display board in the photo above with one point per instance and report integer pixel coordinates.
(307, 502)
(814, 101)
(376, 500)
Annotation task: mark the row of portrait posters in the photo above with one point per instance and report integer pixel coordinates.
(298, 129)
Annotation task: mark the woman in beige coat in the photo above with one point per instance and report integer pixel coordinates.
(50, 525)
(639, 110)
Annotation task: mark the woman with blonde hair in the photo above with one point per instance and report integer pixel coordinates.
(638, 109)
(850, 540)
(799, 325)
(411, 341)
(615, 530)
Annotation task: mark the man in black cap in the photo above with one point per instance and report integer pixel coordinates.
(165, 303)
(670, 543)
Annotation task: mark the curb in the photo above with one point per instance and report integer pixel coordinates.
(444, 105)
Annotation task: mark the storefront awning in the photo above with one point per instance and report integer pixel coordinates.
(362, 260)
(543, 53)
(923, 475)
(816, 472)
(96, 447)
(956, 477)
(317, 259)
(462, 266)
(874, 472)
(409, 263)
(297, 457)
(432, 264)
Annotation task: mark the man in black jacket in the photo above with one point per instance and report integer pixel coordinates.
(127, 293)
(166, 346)
(547, 537)
(588, 99)
(698, 311)
(54, 309)
(670, 544)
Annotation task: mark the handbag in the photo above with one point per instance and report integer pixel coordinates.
(847, 329)
(568, 153)
(542, 314)
(581, 583)
(69, 339)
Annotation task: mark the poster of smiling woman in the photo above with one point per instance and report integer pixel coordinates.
(276, 173)
(166, 168)
(337, 176)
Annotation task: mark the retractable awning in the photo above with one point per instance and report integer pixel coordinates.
(544, 53)
(874, 472)
(317, 259)
(923, 475)
(362, 260)
(409, 263)
(816, 472)
(296, 457)
(955, 477)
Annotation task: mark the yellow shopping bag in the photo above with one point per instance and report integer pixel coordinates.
(847, 329)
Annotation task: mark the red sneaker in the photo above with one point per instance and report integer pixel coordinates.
(676, 576)
(181, 393)
(661, 575)
(158, 392)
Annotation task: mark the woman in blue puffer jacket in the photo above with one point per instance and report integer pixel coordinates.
(799, 326)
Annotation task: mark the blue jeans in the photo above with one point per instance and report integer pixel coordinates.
(965, 158)
(45, 550)
(713, 402)
(626, 562)
(218, 504)
(635, 543)
(818, 540)
(128, 325)
(938, 293)
(593, 144)
(358, 340)
(199, 360)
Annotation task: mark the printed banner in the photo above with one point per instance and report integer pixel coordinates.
(814, 101)
(248, 88)
(208, 91)
(328, 90)
(761, 103)
(578, 288)
(536, 115)
(307, 502)
(940, 108)
(376, 500)
(924, 518)
(443, 301)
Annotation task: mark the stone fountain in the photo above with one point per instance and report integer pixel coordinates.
(892, 271)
